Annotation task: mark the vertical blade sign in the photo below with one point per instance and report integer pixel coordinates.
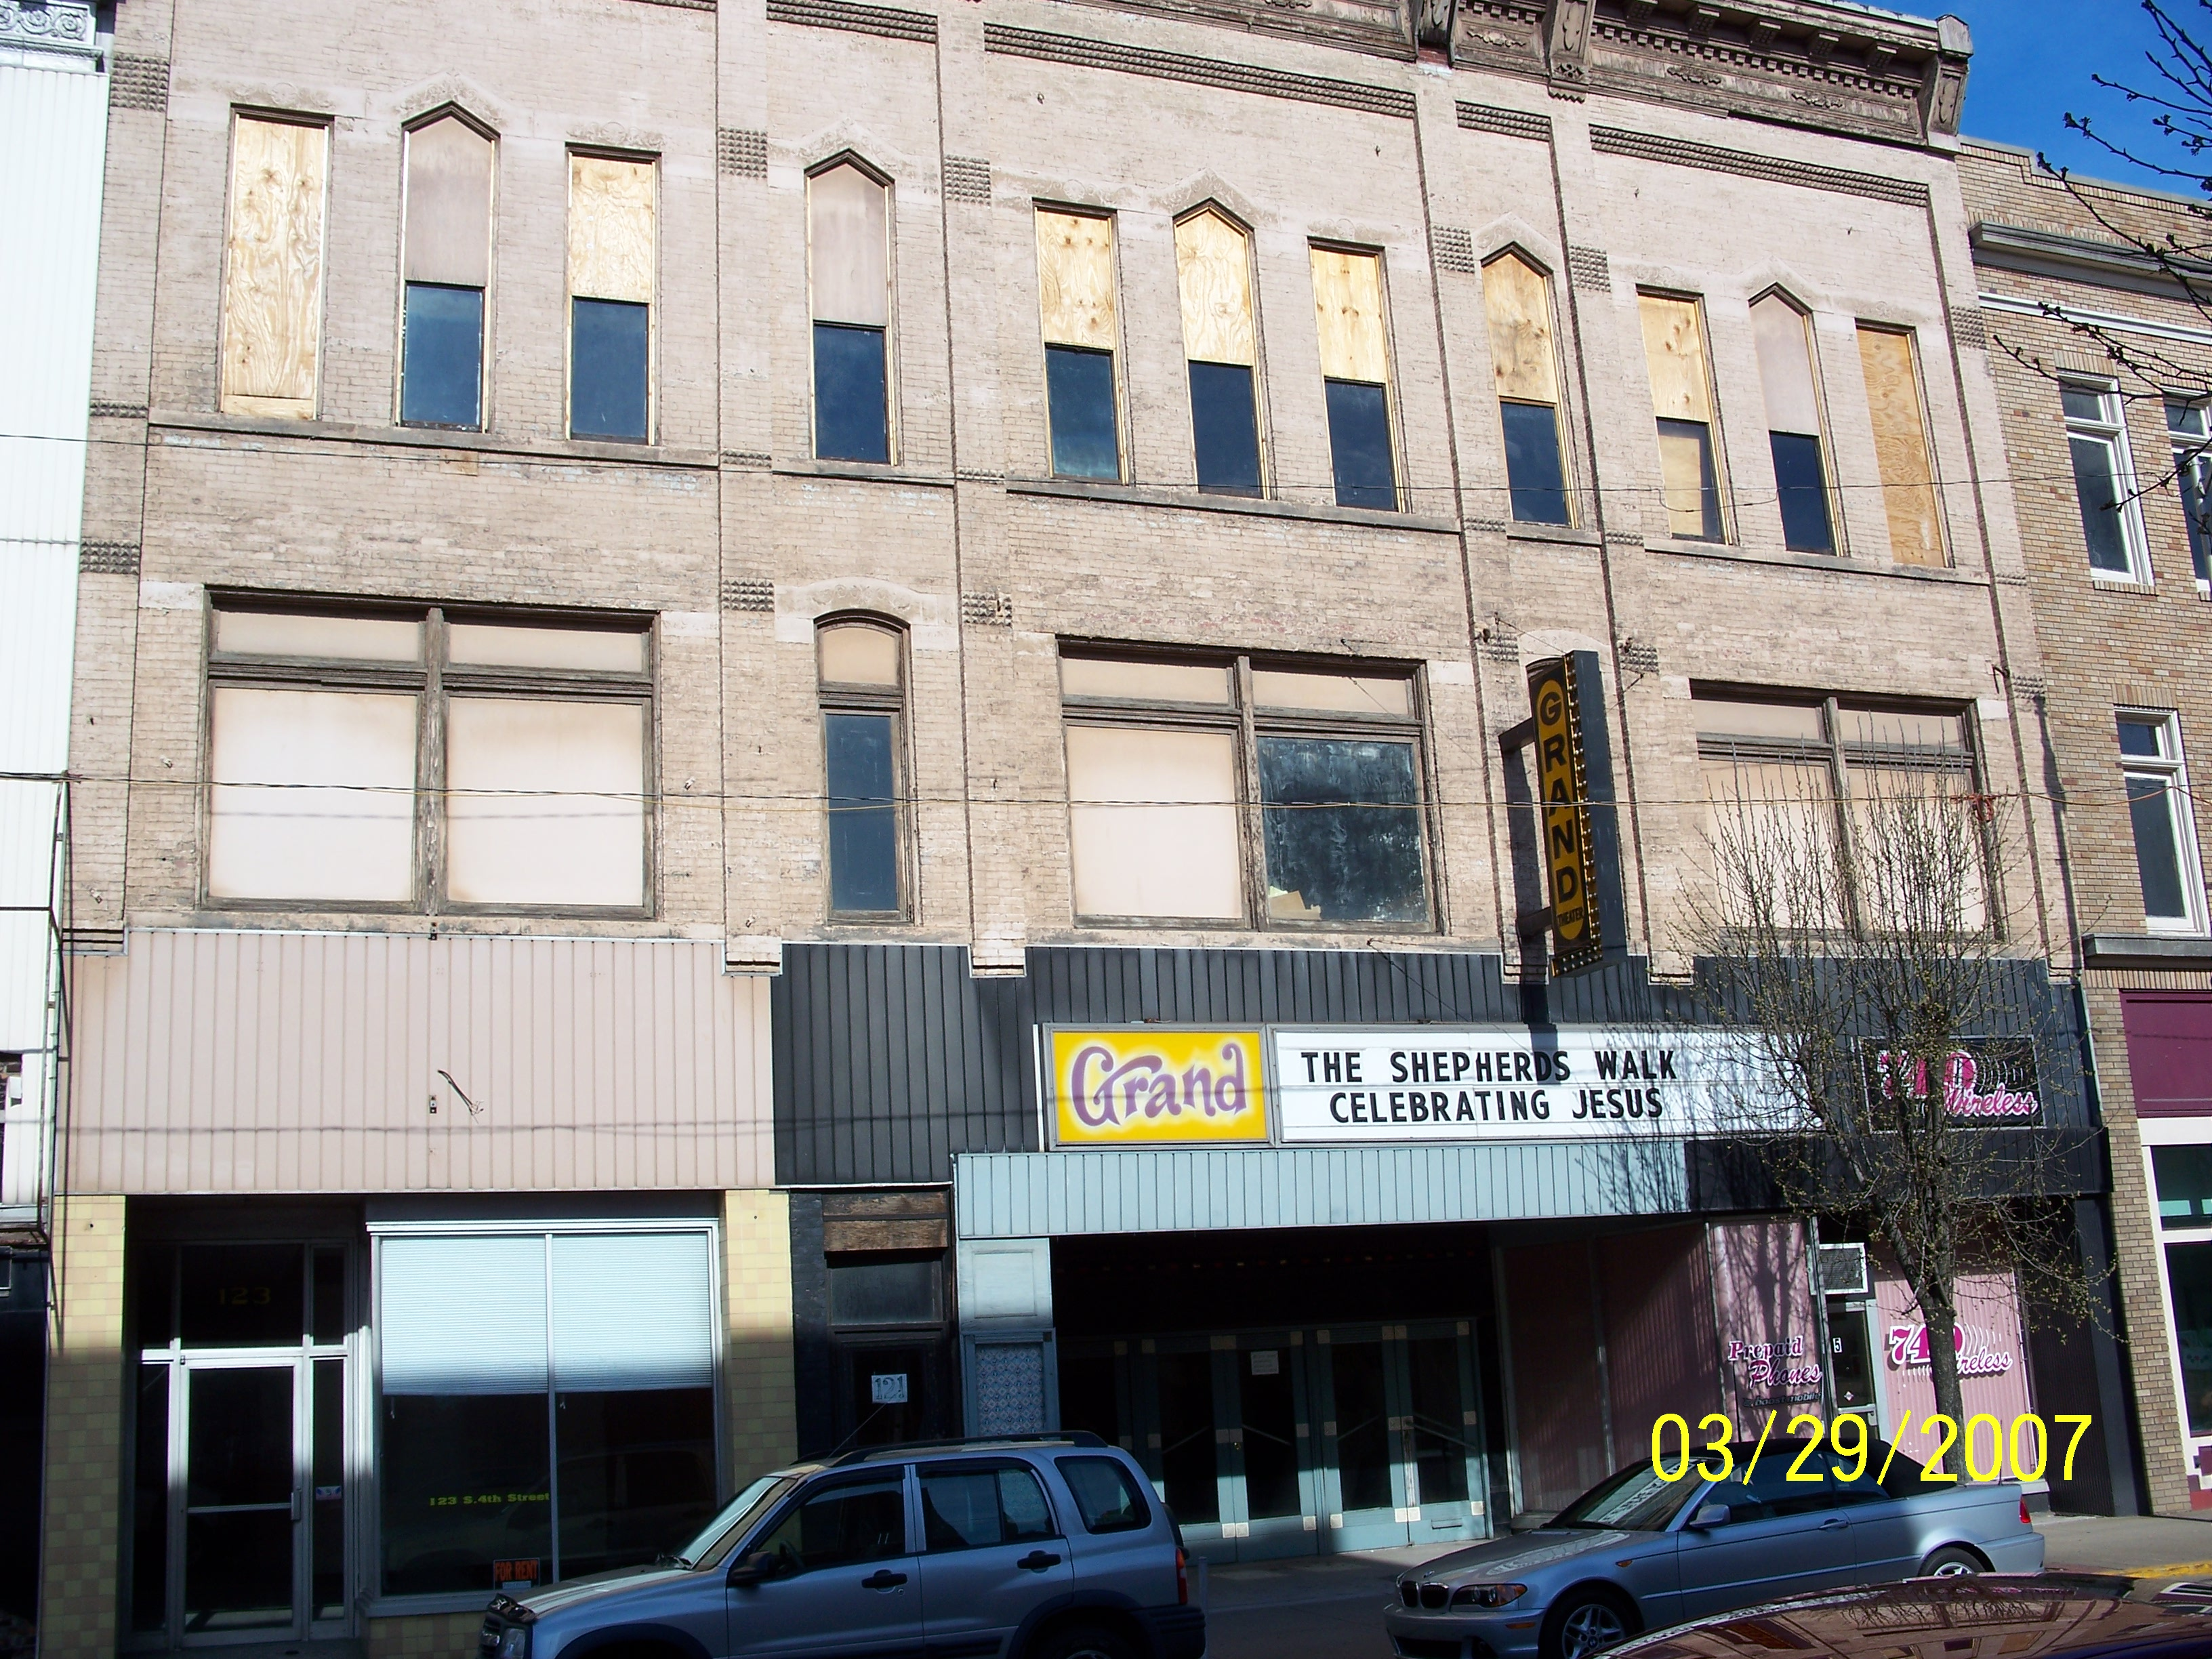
(1563, 784)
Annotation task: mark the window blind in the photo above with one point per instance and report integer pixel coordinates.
(462, 1315)
(631, 1311)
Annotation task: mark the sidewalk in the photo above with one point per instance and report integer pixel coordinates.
(2140, 1545)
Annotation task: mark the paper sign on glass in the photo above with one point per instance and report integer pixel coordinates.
(1135, 1087)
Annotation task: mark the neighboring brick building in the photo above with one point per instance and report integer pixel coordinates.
(2106, 466)
(702, 599)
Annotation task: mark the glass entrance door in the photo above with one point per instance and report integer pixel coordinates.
(1360, 1374)
(242, 1498)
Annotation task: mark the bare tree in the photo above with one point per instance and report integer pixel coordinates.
(1879, 1020)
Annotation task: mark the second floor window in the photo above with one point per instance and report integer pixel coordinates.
(411, 759)
(2165, 829)
(2192, 472)
(848, 243)
(1355, 368)
(2103, 483)
(1075, 302)
(1213, 273)
(1682, 403)
(273, 274)
(1903, 456)
(448, 271)
(1793, 424)
(1524, 354)
(1243, 794)
(861, 668)
(612, 212)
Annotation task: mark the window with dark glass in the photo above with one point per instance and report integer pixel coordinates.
(1241, 793)
(1213, 270)
(1076, 303)
(1682, 405)
(2164, 827)
(849, 248)
(1793, 424)
(612, 208)
(449, 270)
(1524, 357)
(1355, 365)
(2103, 483)
(2192, 471)
(545, 1405)
(861, 668)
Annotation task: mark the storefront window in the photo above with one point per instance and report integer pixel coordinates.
(546, 1405)
(2184, 1185)
(2188, 1281)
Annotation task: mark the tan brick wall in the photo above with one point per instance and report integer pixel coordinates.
(760, 1407)
(85, 1476)
(2104, 647)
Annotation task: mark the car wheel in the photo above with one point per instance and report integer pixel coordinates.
(1949, 1562)
(1584, 1623)
(1079, 1642)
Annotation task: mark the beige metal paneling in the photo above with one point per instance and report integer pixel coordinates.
(1522, 348)
(1674, 351)
(1348, 311)
(1900, 445)
(272, 289)
(232, 1062)
(1213, 268)
(1075, 279)
(610, 212)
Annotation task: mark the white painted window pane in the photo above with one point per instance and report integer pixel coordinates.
(1717, 717)
(449, 167)
(462, 1315)
(313, 795)
(1909, 727)
(852, 279)
(857, 655)
(1156, 682)
(1785, 367)
(1771, 836)
(1350, 694)
(359, 639)
(1917, 850)
(545, 802)
(1153, 822)
(631, 1311)
(480, 644)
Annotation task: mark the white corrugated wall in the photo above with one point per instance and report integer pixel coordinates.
(54, 130)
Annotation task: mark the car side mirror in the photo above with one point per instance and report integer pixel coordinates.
(754, 1568)
(1709, 1515)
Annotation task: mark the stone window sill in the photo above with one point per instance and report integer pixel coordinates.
(1193, 500)
(433, 438)
(1823, 561)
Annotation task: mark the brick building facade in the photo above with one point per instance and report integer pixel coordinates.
(794, 570)
(2105, 473)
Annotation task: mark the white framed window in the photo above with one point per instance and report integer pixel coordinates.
(2180, 1172)
(2164, 827)
(2190, 425)
(2105, 484)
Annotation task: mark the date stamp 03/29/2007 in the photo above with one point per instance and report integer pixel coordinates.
(2021, 1449)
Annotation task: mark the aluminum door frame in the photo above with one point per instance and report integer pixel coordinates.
(1270, 1537)
(1372, 1528)
(1469, 1519)
(299, 1359)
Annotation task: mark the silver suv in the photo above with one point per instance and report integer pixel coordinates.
(1033, 1548)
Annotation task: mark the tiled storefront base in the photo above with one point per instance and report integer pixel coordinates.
(84, 1431)
(425, 1635)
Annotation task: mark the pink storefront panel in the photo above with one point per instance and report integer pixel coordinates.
(1992, 1362)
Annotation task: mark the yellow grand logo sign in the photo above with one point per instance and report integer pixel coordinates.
(1123, 1088)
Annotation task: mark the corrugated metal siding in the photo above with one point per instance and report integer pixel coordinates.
(1048, 1194)
(267, 1062)
(30, 814)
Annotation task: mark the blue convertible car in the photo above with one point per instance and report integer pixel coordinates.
(1636, 1552)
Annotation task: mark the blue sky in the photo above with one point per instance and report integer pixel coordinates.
(2032, 61)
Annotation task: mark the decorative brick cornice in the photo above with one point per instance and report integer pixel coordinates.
(741, 153)
(1509, 123)
(1454, 251)
(59, 27)
(968, 178)
(1588, 270)
(988, 610)
(135, 82)
(753, 594)
(1001, 39)
(107, 558)
(891, 24)
(1711, 158)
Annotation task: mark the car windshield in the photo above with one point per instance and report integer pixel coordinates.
(1635, 1500)
(720, 1535)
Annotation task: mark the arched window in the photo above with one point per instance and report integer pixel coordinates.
(1793, 424)
(449, 270)
(1213, 271)
(848, 236)
(1525, 358)
(861, 668)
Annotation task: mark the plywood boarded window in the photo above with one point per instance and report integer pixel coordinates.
(1213, 274)
(447, 270)
(1682, 403)
(612, 208)
(1355, 368)
(848, 247)
(272, 289)
(1076, 307)
(1793, 424)
(1524, 359)
(1901, 448)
